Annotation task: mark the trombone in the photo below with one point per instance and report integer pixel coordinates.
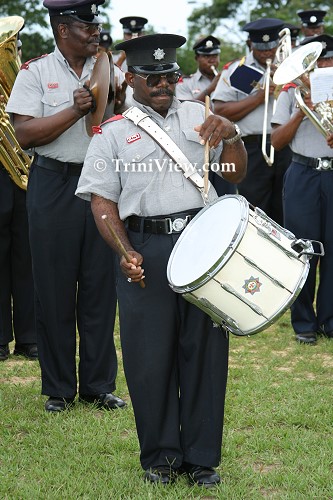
(282, 52)
(296, 68)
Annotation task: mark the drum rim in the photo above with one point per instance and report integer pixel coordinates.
(223, 259)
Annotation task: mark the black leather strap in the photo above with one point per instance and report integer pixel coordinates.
(160, 224)
(312, 162)
(252, 139)
(66, 168)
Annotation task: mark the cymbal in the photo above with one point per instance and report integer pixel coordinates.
(99, 87)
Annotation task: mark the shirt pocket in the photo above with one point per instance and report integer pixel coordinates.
(53, 102)
(139, 164)
(193, 150)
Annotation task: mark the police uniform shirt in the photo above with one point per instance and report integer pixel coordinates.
(308, 141)
(251, 123)
(155, 187)
(123, 67)
(190, 88)
(45, 88)
(119, 75)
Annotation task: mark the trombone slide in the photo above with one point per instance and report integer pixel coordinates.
(269, 159)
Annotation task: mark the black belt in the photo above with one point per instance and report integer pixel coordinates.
(321, 164)
(173, 223)
(61, 167)
(249, 139)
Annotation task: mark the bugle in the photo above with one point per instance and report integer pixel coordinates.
(296, 69)
(214, 70)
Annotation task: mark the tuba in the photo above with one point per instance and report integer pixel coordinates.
(12, 157)
(296, 69)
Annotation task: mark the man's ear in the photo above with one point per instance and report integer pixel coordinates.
(129, 77)
(63, 30)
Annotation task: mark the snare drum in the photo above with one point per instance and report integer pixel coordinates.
(238, 265)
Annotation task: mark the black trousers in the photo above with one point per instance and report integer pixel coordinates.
(308, 205)
(16, 283)
(262, 186)
(175, 362)
(75, 286)
(221, 186)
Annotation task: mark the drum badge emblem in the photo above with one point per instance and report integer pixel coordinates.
(252, 285)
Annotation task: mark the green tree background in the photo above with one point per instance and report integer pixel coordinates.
(206, 19)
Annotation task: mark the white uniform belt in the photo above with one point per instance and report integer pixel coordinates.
(144, 121)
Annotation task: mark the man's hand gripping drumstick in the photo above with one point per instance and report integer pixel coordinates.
(121, 249)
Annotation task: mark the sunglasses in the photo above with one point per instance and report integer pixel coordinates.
(153, 80)
(88, 28)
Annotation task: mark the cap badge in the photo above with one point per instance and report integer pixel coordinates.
(265, 38)
(159, 54)
(313, 19)
(209, 44)
(133, 23)
(93, 8)
(324, 44)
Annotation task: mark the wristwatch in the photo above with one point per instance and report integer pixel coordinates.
(236, 138)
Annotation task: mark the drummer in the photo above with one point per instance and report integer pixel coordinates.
(175, 358)
(72, 265)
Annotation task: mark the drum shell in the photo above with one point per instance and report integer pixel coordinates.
(258, 278)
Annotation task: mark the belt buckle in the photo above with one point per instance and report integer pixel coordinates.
(324, 164)
(177, 225)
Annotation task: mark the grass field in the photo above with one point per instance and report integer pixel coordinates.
(277, 442)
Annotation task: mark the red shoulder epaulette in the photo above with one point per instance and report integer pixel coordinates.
(26, 64)
(288, 86)
(97, 129)
(228, 64)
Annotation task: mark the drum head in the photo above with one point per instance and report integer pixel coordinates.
(208, 242)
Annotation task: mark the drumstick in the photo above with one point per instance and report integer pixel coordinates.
(206, 162)
(119, 244)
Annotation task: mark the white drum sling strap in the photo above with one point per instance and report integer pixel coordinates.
(144, 121)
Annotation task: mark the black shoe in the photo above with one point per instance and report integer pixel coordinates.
(328, 335)
(4, 352)
(27, 350)
(161, 474)
(307, 338)
(107, 401)
(201, 475)
(54, 404)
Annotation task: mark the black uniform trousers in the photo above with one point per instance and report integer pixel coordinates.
(262, 186)
(221, 186)
(308, 208)
(16, 283)
(75, 284)
(175, 363)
